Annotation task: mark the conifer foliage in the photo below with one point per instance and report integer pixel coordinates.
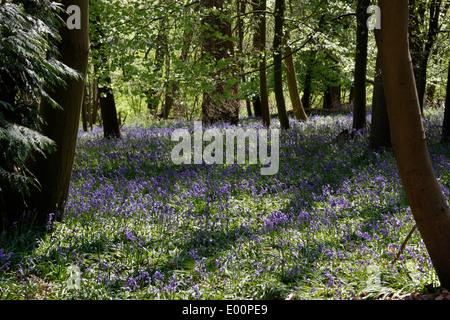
(28, 68)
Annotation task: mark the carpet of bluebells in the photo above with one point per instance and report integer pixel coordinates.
(328, 225)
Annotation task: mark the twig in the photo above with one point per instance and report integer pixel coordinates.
(404, 243)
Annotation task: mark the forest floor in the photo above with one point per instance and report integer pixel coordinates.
(328, 225)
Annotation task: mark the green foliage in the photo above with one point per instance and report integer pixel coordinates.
(147, 46)
(28, 69)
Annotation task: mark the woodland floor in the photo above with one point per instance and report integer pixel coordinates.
(328, 225)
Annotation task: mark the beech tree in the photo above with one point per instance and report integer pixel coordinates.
(428, 204)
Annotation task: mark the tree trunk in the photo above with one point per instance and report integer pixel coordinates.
(327, 99)
(435, 10)
(421, 49)
(153, 96)
(103, 91)
(359, 106)
(95, 102)
(351, 96)
(257, 106)
(256, 43)
(54, 171)
(332, 97)
(111, 128)
(428, 204)
(446, 124)
(380, 133)
(291, 76)
(216, 108)
(84, 110)
(169, 99)
(240, 10)
(263, 88)
(89, 105)
(306, 98)
(278, 65)
(171, 96)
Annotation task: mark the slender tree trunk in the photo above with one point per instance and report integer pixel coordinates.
(257, 45)
(95, 102)
(104, 92)
(240, 10)
(291, 76)
(428, 204)
(169, 89)
(446, 124)
(422, 44)
(306, 98)
(89, 105)
(351, 96)
(417, 10)
(380, 133)
(153, 96)
(169, 99)
(435, 10)
(54, 171)
(263, 88)
(359, 106)
(278, 64)
(174, 88)
(257, 48)
(84, 111)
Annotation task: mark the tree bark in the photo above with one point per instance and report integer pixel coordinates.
(428, 204)
(104, 94)
(306, 98)
(84, 110)
(362, 33)
(446, 123)
(263, 88)
(421, 48)
(240, 10)
(332, 97)
(174, 87)
(111, 128)
(54, 171)
(218, 47)
(95, 102)
(380, 133)
(291, 76)
(256, 43)
(278, 65)
(153, 96)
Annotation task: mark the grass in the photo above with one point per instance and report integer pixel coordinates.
(328, 226)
